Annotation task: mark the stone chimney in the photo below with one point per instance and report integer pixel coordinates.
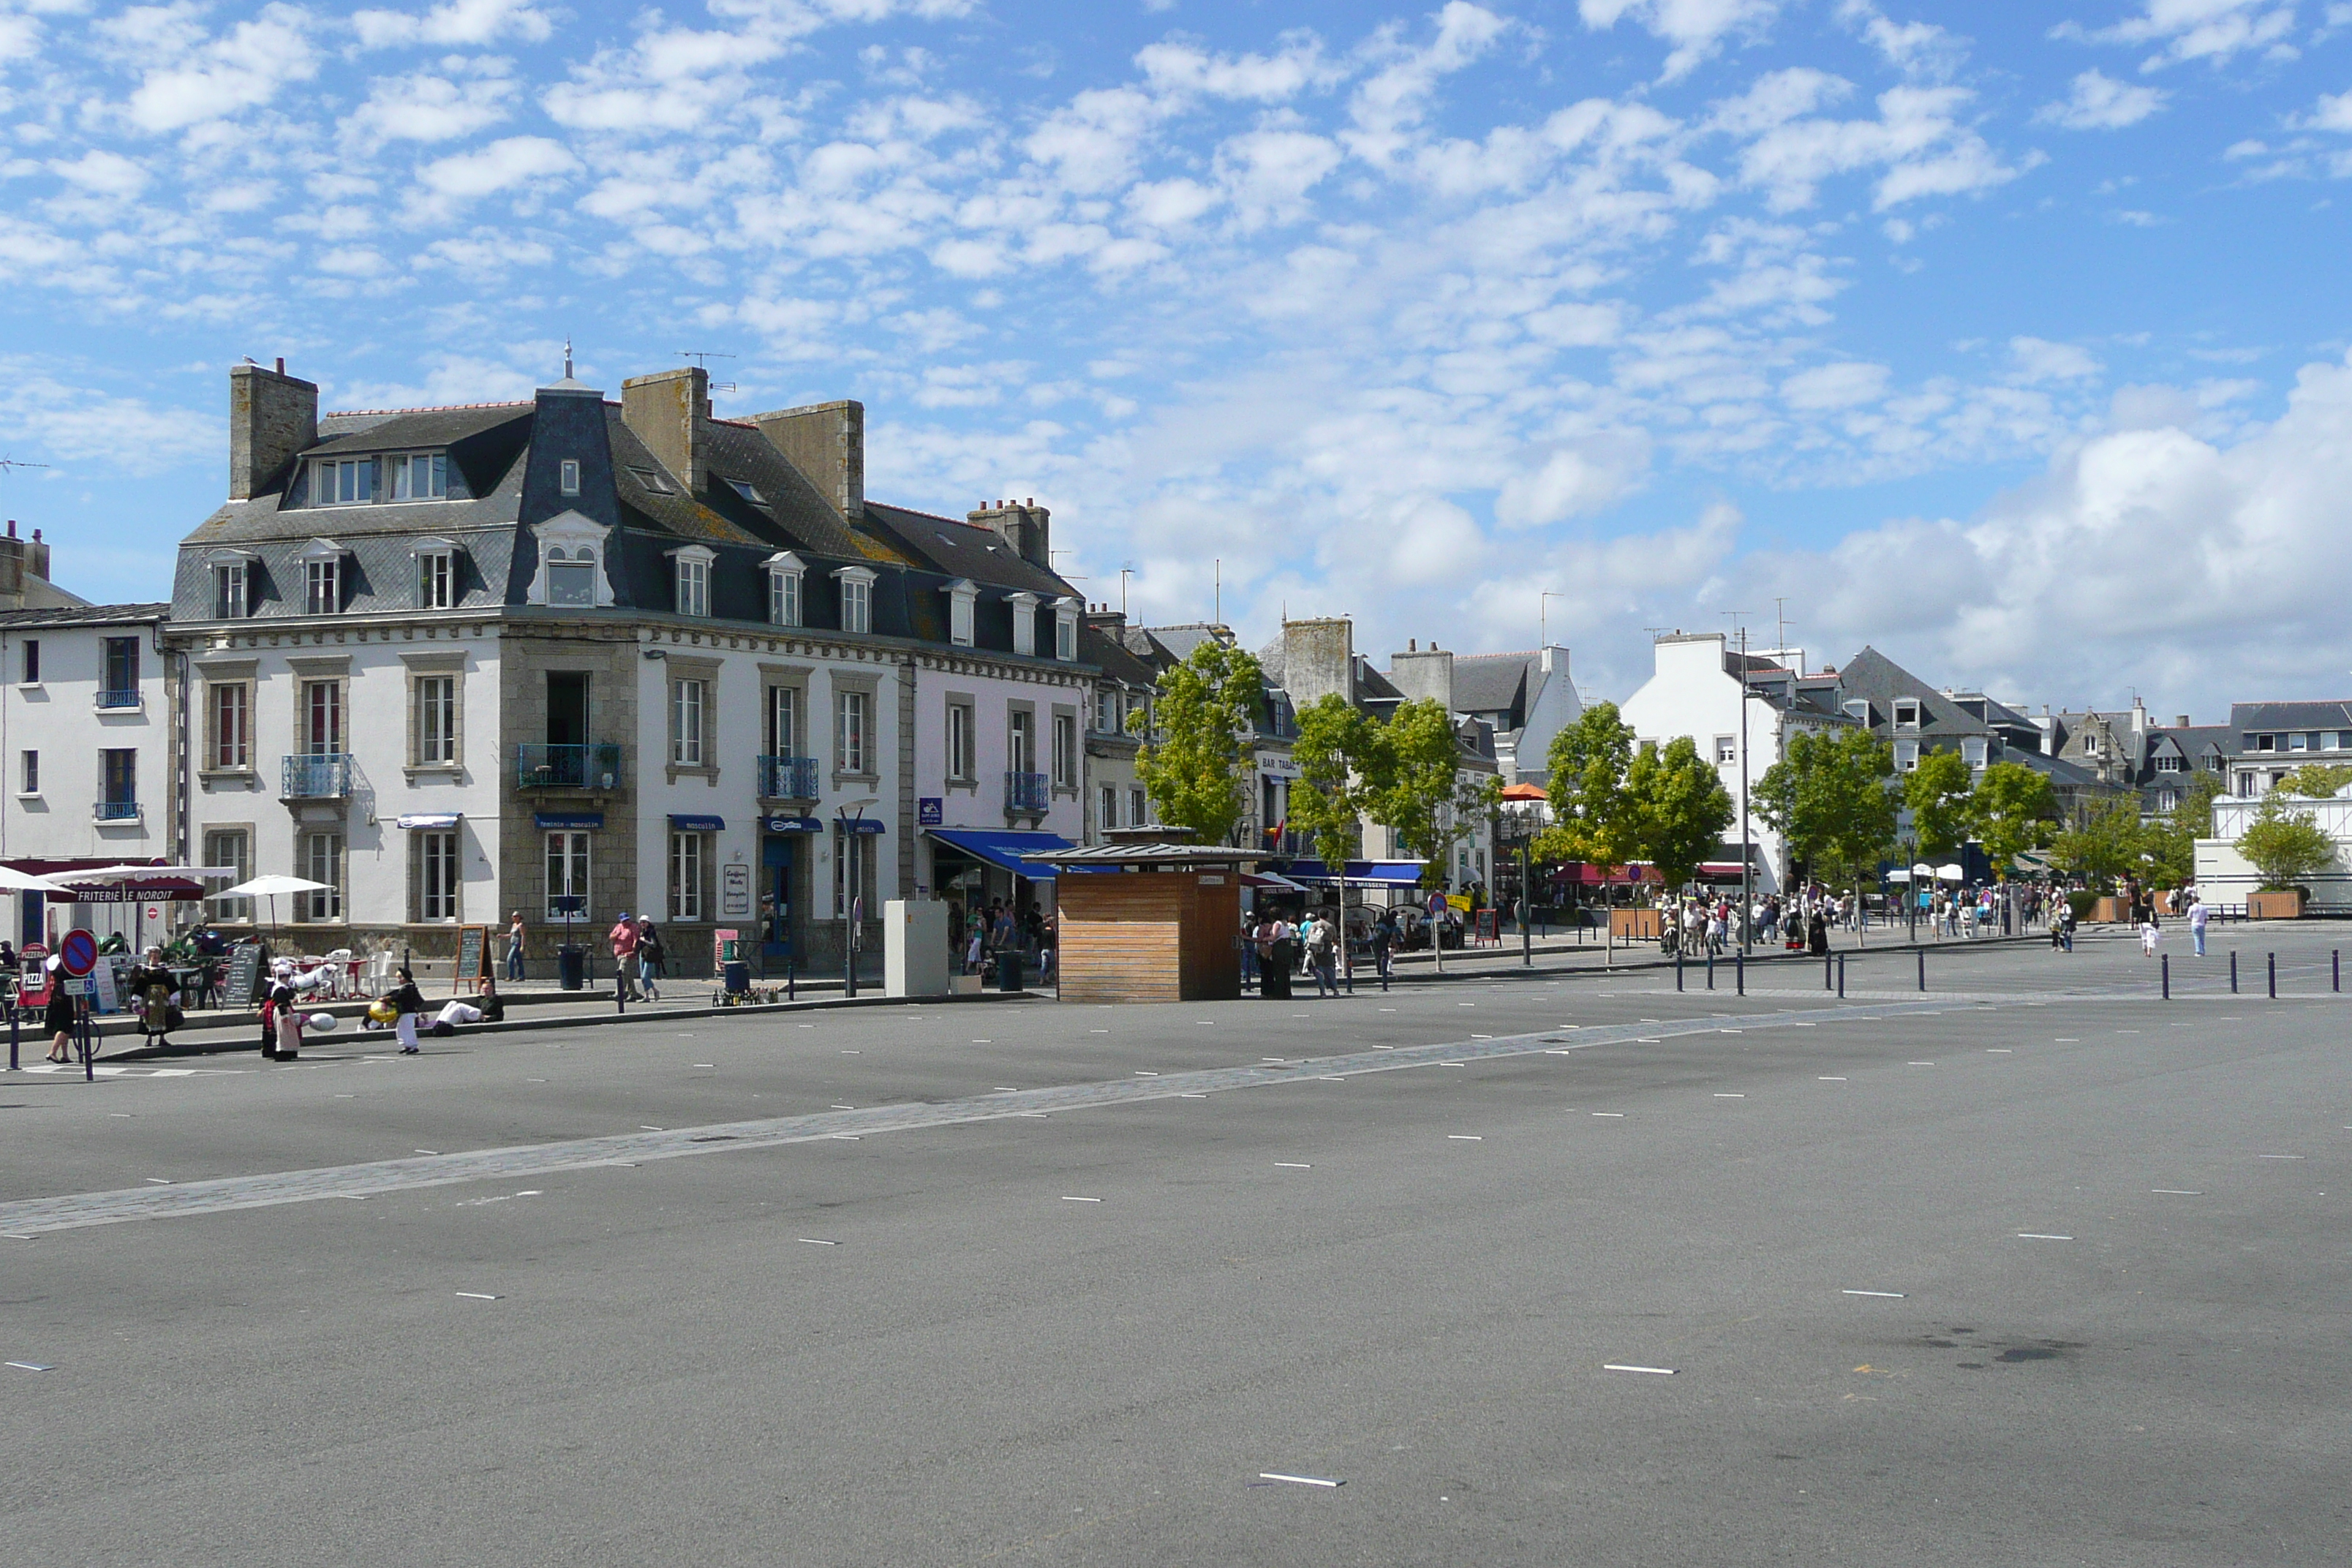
(12, 570)
(271, 416)
(1318, 656)
(669, 411)
(2181, 723)
(1424, 673)
(826, 442)
(1024, 525)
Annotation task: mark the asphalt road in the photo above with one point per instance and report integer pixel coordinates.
(2102, 1235)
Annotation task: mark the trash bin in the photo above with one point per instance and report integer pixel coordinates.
(571, 967)
(1008, 972)
(737, 977)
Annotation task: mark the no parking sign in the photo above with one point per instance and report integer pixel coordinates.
(78, 953)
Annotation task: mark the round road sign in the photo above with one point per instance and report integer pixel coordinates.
(78, 953)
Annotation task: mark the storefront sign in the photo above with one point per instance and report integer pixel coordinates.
(929, 810)
(734, 892)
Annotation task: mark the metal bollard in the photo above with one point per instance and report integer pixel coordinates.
(2335, 978)
(2164, 971)
(1739, 971)
(2233, 971)
(1827, 965)
(1710, 969)
(2271, 959)
(1678, 969)
(1923, 968)
(1840, 958)
(11, 1037)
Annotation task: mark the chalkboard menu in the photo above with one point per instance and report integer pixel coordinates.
(473, 959)
(244, 975)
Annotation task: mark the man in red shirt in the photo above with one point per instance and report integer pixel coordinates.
(624, 938)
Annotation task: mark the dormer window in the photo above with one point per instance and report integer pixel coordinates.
(1906, 714)
(963, 599)
(1024, 624)
(784, 572)
(1065, 630)
(323, 578)
(232, 585)
(570, 561)
(419, 476)
(570, 577)
(743, 488)
(652, 481)
(437, 574)
(857, 584)
(567, 476)
(345, 481)
(692, 565)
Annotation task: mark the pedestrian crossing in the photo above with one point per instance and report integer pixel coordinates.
(109, 1069)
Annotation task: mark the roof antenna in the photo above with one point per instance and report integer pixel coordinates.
(567, 356)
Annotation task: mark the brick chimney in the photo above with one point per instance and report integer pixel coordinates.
(271, 416)
(1024, 525)
(669, 411)
(1424, 673)
(1318, 656)
(826, 442)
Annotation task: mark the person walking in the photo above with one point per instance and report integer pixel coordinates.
(653, 960)
(1384, 940)
(286, 1018)
(407, 1002)
(2148, 931)
(158, 996)
(514, 945)
(60, 1016)
(623, 938)
(1320, 955)
(2197, 915)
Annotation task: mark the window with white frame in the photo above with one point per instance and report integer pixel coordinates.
(856, 599)
(1726, 748)
(690, 700)
(1109, 814)
(2298, 742)
(1972, 751)
(1066, 635)
(691, 567)
(571, 575)
(320, 857)
(436, 579)
(960, 743)
(28, 773)
(436, 697)
(784, 720)
(229, 716)
(419, 476)
(1906, 756)
(686, 861)
(230, 850)
(1906, 713)
(433, 875)
(1024, 623)
(785, 570)
(2169, 764)
(229, 591)
(322, 718)
(567, 872)
(1066, 751)
(963, 599)
(322, 585)
(1021, 740)
(567, 476)
(347, 482)
(1106, 712)
(852, 711)
(1139, 807)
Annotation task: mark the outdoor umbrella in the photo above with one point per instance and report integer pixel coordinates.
(15, 881)
(269, 887)
(127, 874)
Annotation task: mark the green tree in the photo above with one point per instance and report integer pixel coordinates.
(1831, 799)
(2317, 781)
(1937, 792)
(2285, 845)
(1593, 818)
(2013, 809)
(1681, 807)
(1421, 792)
(1336, 750)
(1196, 735)
(2108, 843)
(2172, 843)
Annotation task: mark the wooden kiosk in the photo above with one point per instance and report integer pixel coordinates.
(1147, 917)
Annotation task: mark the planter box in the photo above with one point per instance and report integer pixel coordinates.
(2286, 906)
(965, 984)
(2108, 911)
(1633, 925)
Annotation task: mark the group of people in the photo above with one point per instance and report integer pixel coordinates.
(991, 935)
(1311, 944)
(639, 960)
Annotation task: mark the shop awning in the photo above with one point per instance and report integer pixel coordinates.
(793, 824)
(1591, 876)
(577, 821)
(1268, 879)
(684, 822)
(1397, 873)
(429, 819)
(1004, 847)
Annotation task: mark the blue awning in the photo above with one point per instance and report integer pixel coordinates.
(1004, 847)
(861, 824)
(793, 824)
(1398, 873)
(575, 820)
(684, 822)
(429, 819)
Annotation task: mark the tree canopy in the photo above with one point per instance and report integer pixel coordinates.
(1594, 819)
(2317, 781)
(1419, 790)
(1681, 807)
(1338, 752)
(2285, 846)
(1195, 753)
(1937, 792)
(2012, 809)
(1830, 798)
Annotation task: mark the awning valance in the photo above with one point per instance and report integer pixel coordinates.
(429, 819)
(1397, 873)
(577, 821)
(1004, 847)
(686, 822)
(793, 824)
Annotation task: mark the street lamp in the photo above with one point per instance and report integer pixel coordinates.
(850, 869)
(1518, 822)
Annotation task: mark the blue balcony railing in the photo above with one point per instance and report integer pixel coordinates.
(323, 777)
(116, 811)
(127, 697)
(568, 767)
(788, 778)
(1027, 793)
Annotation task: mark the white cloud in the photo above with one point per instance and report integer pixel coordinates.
(457, 22)
(2099, 102)
(2037, 359)
(2215, 30)
(1918, 141)
(1389, 104)
(500, 166)
(1574, 478)
(1695, 28)
(1921, 48)
(428, 108)
(1833, 386)
(102, 173)
(2330, 113)
(242, 69)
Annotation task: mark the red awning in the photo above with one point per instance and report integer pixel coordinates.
(1606, 876)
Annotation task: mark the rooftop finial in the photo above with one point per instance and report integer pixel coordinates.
(567, 356)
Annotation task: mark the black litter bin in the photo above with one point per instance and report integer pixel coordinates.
(1274, 972)
(1008, 972)
(736, 976)
(571, 967)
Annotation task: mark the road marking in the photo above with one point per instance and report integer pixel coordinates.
(2068, 1040)
(1467, 1137)
(1656, 1371)
(1329, 1078)
(1140, 1073)
(1098, 1031)
(1560, 1053)
(843, 1108)
(812, 1241)
(1731, 1097)
(1067, 1199)
(32, 1366)
(1191, 1097)
(1619, 1114)
(1291, 1165)
(1920, 1064)
(2258, 1157)
(1298, 1481)
(1482, 1036)
(158, 1180)
(1999, 1051)
(1833, 1080)
(1890, 1295)
(476, 1296)
(644, 1126)
(2041, 1235)
(2179, 1192)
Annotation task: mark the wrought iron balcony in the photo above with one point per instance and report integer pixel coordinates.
(1027, 795)
(568, 767)
(788, 778)
(323, 777)
(127, 697)
(115, 811)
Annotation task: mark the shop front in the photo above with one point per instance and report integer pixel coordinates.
(977, 870)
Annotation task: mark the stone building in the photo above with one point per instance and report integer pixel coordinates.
(579, 656)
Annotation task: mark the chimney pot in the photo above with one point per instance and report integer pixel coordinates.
(271, 417)
(826, 442)
(2183, 722)
(12, 527)
(282, 365)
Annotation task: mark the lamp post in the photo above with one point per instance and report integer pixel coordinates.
(849, 869)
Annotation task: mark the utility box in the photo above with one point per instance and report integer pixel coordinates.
(914, 948)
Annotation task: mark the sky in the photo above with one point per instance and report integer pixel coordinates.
(2008, 338)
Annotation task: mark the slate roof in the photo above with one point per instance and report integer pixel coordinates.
(1495, 683)
(2262, 717)
(1870, 677)
(85, 615)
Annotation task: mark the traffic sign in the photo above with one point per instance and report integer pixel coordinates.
(78, 953)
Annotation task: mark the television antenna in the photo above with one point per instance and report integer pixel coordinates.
(7, 463)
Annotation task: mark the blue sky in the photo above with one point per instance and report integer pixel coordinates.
(2011, 338)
